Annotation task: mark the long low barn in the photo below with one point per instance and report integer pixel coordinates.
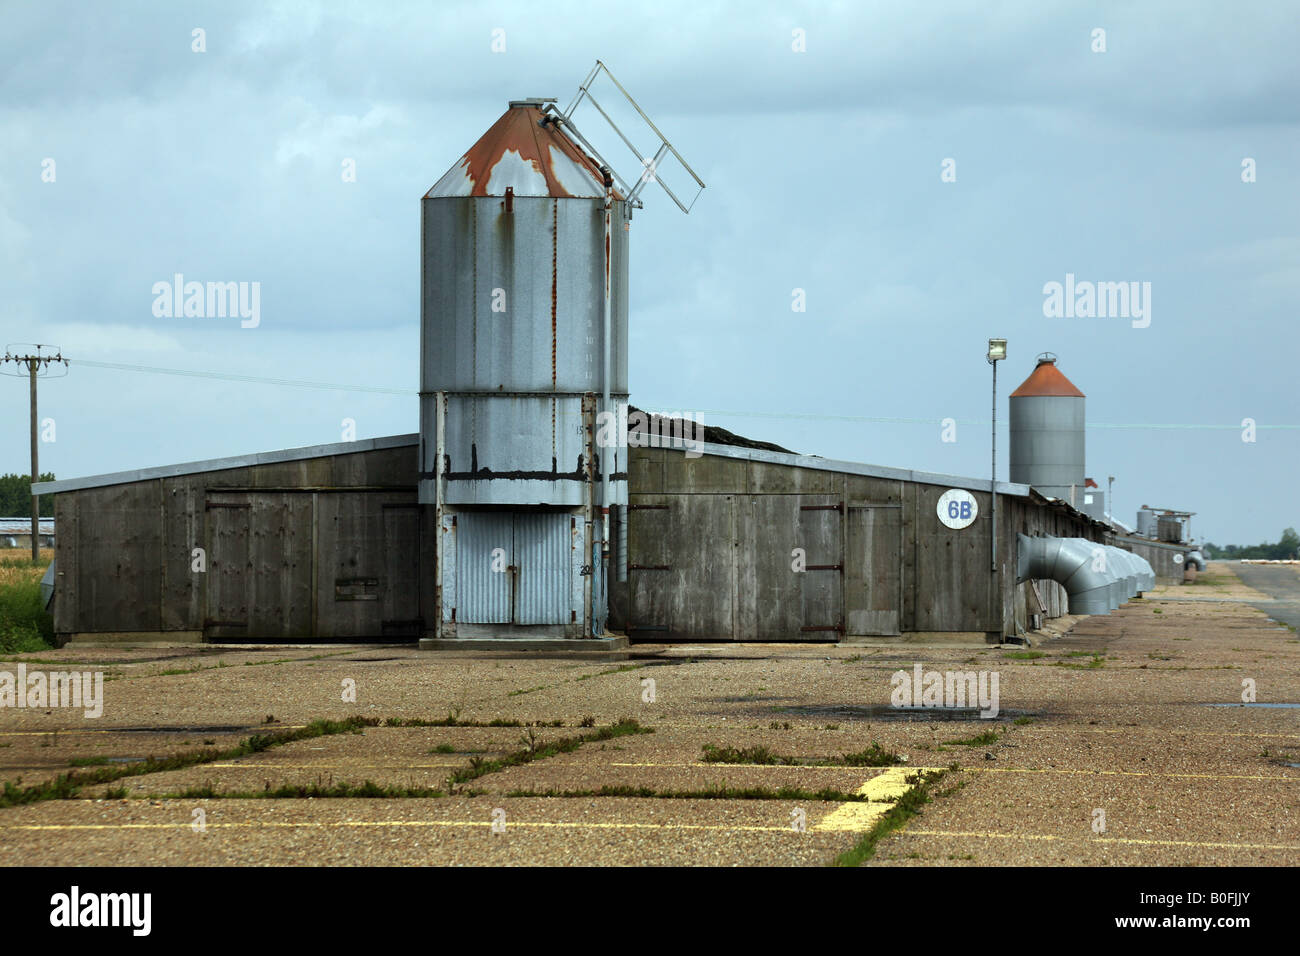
(733, 543)
(714, 542)
(319, 543)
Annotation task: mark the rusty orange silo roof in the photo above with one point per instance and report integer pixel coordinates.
(1046, 380)
(520, 153)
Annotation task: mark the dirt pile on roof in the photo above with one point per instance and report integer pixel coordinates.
(651, 424)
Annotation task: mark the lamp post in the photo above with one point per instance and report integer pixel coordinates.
(1110, 497)
(997, 352)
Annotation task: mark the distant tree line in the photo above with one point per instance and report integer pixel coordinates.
(1287, 548)
(16, 496)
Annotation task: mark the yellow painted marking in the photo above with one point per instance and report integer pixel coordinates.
(1134, 773)
(1157, 730)
(180, 732)
(1126, 840)
(882, 790)
(1129, 773)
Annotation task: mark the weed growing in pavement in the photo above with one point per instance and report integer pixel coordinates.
(906, 807)
(536, 750)
(979, 740)
(873, 756)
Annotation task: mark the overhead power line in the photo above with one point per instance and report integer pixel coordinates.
(730, 413)
(251, 379)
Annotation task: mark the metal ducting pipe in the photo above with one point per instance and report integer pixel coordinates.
(1131, 570)
(622, 543)
(1070, 563)
(1144, 577)
(1117, 558)
(1116, 589)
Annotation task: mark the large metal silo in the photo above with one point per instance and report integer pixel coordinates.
(524, 265)
(1047, 433)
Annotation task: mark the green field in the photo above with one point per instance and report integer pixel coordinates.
(24, 625)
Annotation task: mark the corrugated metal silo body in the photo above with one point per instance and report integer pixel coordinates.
(1047, 434)
(515, 271)
(516, 378)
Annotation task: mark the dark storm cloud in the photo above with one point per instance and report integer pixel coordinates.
(823, 170)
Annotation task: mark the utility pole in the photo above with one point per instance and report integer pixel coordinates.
(35, 363)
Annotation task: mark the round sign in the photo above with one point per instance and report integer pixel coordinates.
(1178, 559)
(957, 509)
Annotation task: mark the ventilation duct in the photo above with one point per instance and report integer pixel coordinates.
(1097, 577)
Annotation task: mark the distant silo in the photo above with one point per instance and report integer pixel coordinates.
(1169, 528)
(1047, 433)
(524, 266)
(1146, 522)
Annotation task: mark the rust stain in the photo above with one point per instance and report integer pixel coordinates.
(555, 284)
(519, 130)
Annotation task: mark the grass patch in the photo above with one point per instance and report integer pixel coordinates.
(719, 792)
(535, 749)
(1023, 655)
(985, 739)
(613, 670)
(67, 786)
(873, 756)
(906, 807)
(1023, 720)
(1096, 662)
(453, 720)
(25, 627)
(369, 790)
(750, 755)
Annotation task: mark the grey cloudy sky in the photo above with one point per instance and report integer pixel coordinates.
(823, 171)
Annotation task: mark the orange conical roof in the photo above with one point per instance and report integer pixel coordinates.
(1046, 380)
(520, 153)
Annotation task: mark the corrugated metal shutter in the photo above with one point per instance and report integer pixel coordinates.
(483, 590)
(542, 548)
